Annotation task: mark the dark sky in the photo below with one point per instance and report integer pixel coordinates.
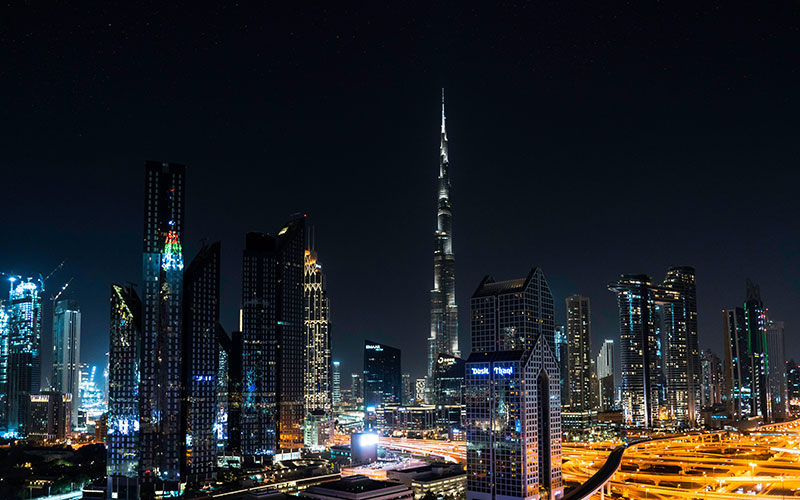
(589, 140)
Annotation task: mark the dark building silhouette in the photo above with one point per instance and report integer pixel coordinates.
(235, 358)
(200, 364)
(579, 354)
(273, 333)
(448, 380)
(513, 392)
(382, 375)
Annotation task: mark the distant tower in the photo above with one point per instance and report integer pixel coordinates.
(561, 348)
(162, 316)
(200, 364)
(318, 339)
(122, 463)
(579, 342)
(605, 374)
(24, 337)
(67, 353)
(777, 370)
(336, 393)
(512, 392)
(444, 311)
(3, 366)
(382, 375)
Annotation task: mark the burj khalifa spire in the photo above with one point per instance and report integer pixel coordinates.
(444, 311)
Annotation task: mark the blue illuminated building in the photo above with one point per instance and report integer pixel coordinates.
(124, 359)
(513, 392)
(382, 375)
(24, 364)
(3, 367)
(200, 364)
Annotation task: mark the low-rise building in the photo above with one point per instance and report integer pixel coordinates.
(359, 488)
(439, 479)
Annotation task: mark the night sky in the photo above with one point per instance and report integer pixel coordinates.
(587, 140)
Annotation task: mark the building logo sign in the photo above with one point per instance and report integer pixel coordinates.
(498, 370)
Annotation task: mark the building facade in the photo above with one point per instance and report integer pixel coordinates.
(382, 375)
(444, 311)
(776, 370)
(318, 391)
(124, 357)
(24, 363)
(579, 354)
(605, 375)
(336, 388)
(711, 383)
(513, 392)
(67, 353)
(448, 380)
(162, 317)
(200, 364)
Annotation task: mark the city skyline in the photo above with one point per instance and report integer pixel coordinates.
(520, 141)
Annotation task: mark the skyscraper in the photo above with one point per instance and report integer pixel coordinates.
(444, 311)
(605, 374)
(561, 352)
(318, 340)
(235, 393)
(3, 367)
(357, 387)
(738, 377)
(382, 375)
(67, 354)
(711, 379)
(776, 370)
(408, 393)
(513, 403)
(640, 344)
(24, 364)
(162, 275)
(274, 339)
(336, 392)
(200, 364)
(448, 380)
(124, 355)
(755, 330)
(579, 349)
(221, 424)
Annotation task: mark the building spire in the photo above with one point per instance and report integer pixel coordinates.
(443, 110)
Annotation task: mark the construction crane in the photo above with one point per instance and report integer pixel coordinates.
(54, 299)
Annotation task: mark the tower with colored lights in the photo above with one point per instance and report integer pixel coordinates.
(67, 353)
(444, 311)
(24, 363)
(161, 442)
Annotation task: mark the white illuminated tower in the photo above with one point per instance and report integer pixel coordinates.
(318, 341)
(66, 352)
(444, 311)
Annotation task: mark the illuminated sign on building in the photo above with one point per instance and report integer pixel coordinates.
(498, 370)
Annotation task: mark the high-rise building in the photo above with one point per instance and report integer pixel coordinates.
(659, 354)
(124, 355)
(200, 364)
(66, 354)
(737, 369)
(235, 392)
(357, 387)
(274, 337)
(755, 328)
(711, 381)
(47, 416)
(408, 393)
(793, 386)
(640, 344)
(3, 367)
(776, 371)
(444, 311)
(448, 380)
(420, 389)
(318, 340)
(579, 353)
(513, 407)
(24, 364)
(561, 352)
(679, 297)
(336, 393)
(162, 315)
(221, 427)
(382, 375)
(605, 374)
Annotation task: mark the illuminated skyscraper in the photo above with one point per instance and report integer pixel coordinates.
(200, 364)
(357, 387)
(579, 349)
(336, 391)
(513, 393)
(274, 340)
(738, 373)
(382, 375)
(122, 462)
(162, 315)
(776, 370)
(24, 364)
(444, 311)
(561, 348)
(755, 329)
(221, 419)
(710, 380)
(3, 367)
(605, 374)
(318, 340)
(66, 354)
(448, 380)
(640, 345)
